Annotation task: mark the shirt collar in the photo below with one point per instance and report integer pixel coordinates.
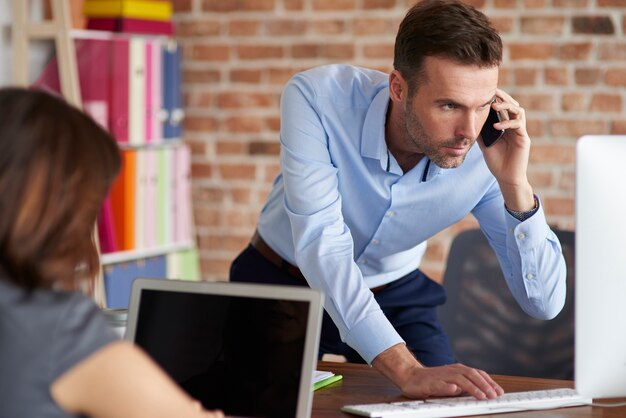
(373, 143)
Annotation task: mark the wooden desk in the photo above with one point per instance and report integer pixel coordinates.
(362, 384)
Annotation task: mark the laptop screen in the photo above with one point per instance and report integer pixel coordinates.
(245, 349)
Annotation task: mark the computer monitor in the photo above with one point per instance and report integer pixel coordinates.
(600, 303)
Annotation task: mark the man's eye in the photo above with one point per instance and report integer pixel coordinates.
(449, 106)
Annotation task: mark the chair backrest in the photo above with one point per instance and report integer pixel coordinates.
(486, 326)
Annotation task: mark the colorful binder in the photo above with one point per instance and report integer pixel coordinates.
(130, 25)
(118, 278)
(93, 58)
(140, 9)
(123, 194)
(153, 100)
(118, 119)
(137, 91)
(172, 97)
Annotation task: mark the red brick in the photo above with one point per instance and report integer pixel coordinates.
(371, 26)
(505, 4)
(334, 4)
(552, 154)
(618, 127)
(204, 27)
(250, 124)
(237, 171)
(612, 51)
(263, 148)
(615, 77)
(543, 25)
(612, 3)
(329, 27)
(237, 5)
(201, 170)
(210, 52)
(525, 76)
(535, 4)
(230, 147)
(378, 4)
(281, 75)
(587, 76)
(245, 76)
(199, 123)
(606, 103)
(567, 181)
(242, 27)
(215, 270)
(208, 195)
(556, 76)
(559, 205)
(287, 27)
(254, 52)
(576, 128)
(241, 196)
(180, 6)
(535, 127)
(503, 24)
(536, 102)
(235, 99)
(575, 51)
(200, 76)
(293, 4)
(574, 102)
(271, 171)
(530, 51)
(378, 51)
(572, 4)
(272, 123)
(206, 216)
(201, 99)
(595, 25)
(540, 178)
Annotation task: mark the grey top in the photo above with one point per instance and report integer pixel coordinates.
(42, 335)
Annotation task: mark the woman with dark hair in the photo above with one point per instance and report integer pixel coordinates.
(58, 356)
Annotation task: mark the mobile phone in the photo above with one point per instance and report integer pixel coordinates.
(488, 133)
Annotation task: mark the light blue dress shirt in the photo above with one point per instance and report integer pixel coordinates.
(343, 211)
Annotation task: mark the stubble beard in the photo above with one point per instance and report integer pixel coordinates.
(424, 144)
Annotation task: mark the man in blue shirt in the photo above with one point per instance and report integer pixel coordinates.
(374, 164)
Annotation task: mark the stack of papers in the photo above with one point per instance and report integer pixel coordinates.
(322, 378)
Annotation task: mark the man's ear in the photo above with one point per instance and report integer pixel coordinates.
(398, 87)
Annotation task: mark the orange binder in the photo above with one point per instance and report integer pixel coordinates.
(123, 202)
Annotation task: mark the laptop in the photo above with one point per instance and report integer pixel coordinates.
(247, 349)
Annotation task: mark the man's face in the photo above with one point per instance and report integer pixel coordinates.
(444, 116)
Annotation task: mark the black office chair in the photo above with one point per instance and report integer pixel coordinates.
(486, 326)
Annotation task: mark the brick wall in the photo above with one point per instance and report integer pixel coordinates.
(564, 60)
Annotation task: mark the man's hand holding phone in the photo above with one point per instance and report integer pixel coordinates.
(488, 133)
(506, 149)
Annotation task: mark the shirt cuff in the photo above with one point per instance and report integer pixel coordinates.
(360, 337)
(522, 216)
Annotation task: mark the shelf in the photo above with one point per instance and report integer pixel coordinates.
(105, 35)
(166, 143)
(124, 256)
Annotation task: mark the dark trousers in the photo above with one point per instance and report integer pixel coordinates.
(410, 303)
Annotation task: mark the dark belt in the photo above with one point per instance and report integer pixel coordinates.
(272, 256)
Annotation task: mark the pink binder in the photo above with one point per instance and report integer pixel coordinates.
(118, 102)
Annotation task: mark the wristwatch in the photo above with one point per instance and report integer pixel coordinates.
(522, 216)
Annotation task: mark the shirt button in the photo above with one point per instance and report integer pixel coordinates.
(390, 214)
(511, 230)
(362, 261)
(530, 276)
(521, 236)
(375, 242)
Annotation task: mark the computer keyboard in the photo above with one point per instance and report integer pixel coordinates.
(467, 405)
